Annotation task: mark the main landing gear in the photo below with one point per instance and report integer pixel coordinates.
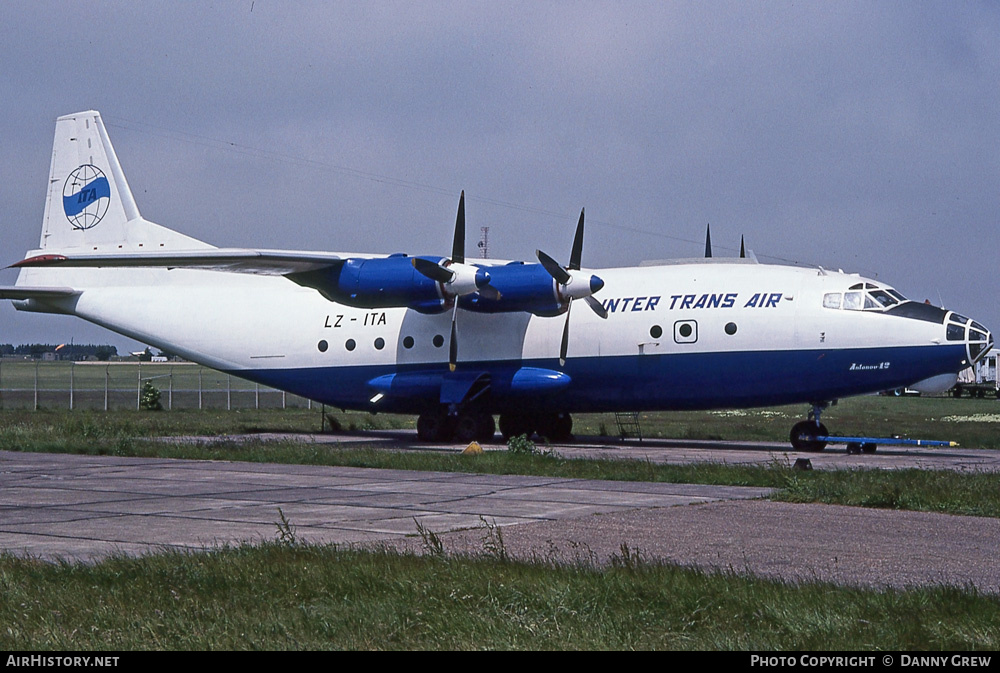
(466, 426)
(471, 425)
(805, 433)
(556, 427)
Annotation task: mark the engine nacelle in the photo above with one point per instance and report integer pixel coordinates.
(384, 282)
(522, 287)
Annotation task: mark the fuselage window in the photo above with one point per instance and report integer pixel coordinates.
(731, 327)
(322, 346)
(832, 300)
(350, 345)
(895, 294)
(656, 331)
(408, 342)
(379, 343)
(685, 331)
(438, 341)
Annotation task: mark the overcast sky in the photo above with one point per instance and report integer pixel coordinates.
(854, 135)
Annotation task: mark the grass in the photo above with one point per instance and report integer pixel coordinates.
(299, 597)
(288, 595)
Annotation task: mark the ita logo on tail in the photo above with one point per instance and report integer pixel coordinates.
(86, 196)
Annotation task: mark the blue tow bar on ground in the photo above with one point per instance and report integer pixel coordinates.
(884, 441)
(868, 444)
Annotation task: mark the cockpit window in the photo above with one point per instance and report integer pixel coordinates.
(883, 298)
(956, 333)
(853, 301)
(864, 297)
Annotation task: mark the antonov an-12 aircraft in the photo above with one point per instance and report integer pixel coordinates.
(458, 342)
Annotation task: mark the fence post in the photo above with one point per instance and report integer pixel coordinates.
(200, 370)
(256, 396)
(107, 375)
(170, 393)
(138, 389)
(36, 385)
(229, 392)
(1, 384)
(72, 368)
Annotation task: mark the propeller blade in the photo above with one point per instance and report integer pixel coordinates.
(708, 240)
(743, 249)
(552, 266)
(458, 245)
(564, 346)
(432, 270)
(597, 307)
(576, 255)
(453, 344)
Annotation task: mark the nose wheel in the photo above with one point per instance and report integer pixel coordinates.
(805, 433)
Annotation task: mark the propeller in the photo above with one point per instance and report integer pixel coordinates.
(572, 283)
(708, 240)
(743, 249)
(455, 276)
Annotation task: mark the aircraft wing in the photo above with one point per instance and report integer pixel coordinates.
(233, 260)
(25, 292)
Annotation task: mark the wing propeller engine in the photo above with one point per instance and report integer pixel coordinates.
(435, 284)
(572, 283)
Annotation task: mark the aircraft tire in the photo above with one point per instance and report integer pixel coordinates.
(515, 425)
(474, 426)
(803, 434)
(556, 427)
(487, 430)
(434, 427)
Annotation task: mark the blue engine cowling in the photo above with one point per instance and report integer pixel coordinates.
(384, 282)
(522, 287)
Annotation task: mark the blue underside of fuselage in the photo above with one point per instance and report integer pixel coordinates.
(643, 382)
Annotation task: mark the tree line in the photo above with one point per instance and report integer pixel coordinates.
(68, 351)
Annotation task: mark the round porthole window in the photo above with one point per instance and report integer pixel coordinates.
(730, 328)
(322, 346)
(351, 345)
(379, 343)
(438, 341)
(408, 342)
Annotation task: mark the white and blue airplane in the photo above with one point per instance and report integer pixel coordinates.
(457, 342)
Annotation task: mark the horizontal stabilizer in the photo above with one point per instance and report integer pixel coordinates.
(24, 292)
(233, 260)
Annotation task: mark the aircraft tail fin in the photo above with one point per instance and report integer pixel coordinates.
(89, 205)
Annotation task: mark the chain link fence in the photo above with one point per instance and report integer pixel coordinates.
(118, 385)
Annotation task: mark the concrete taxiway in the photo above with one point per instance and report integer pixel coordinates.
(85, 507)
